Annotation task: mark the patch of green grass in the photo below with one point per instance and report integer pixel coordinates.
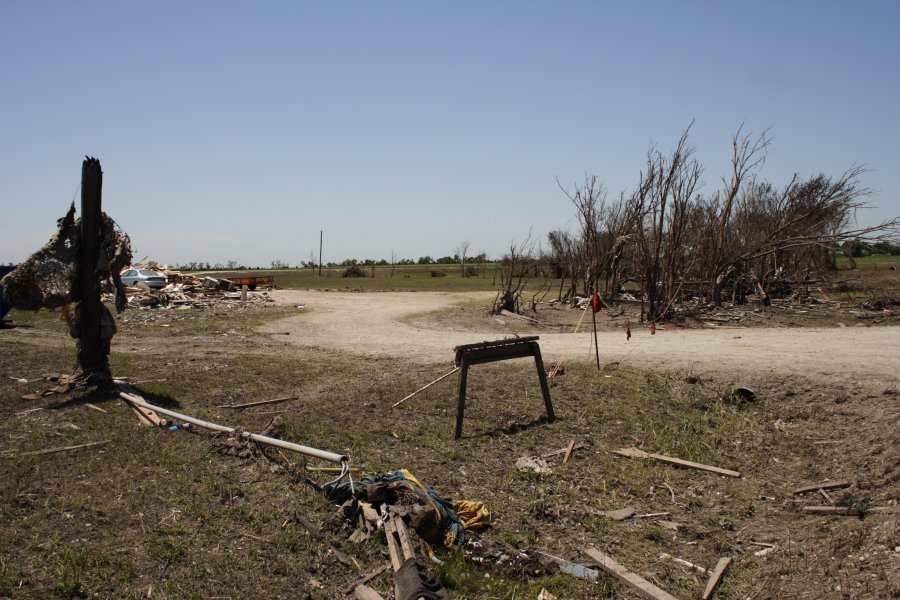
(69, 567)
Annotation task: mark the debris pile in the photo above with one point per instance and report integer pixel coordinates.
(188, 291)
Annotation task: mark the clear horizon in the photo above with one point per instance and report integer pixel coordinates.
(236, 132)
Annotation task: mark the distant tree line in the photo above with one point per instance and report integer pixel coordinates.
(231, 265)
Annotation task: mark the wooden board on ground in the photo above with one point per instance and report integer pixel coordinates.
(619, 514)
(636, 453)
(831, 485)
(364, 592)
(716, 578)
(631, 580)
(845, 510)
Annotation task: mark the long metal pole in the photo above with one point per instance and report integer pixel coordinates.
(262, 439)
(423, 388)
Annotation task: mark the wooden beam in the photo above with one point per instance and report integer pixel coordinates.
(635, 453)
(716, 578)
(846, 510)
(494, 343)
(831, 485)
(568, 453)
(630, 580)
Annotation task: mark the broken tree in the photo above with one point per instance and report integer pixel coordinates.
(70, 269)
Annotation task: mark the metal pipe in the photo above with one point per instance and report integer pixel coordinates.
(422, 389)
(262, 439)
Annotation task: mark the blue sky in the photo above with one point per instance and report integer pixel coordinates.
(238, 130)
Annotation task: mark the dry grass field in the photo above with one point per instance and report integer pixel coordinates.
(167, 514)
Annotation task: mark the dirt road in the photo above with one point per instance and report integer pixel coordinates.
(378, 324)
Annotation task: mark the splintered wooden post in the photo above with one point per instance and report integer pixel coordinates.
(542, 377)
(91, 358)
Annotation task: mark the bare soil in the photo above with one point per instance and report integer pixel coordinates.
(425, 327)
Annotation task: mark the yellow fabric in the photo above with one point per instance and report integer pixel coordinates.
(410, 476)
(472, 514)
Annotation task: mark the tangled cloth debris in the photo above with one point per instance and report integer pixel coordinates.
(435, 519)
(48, 278)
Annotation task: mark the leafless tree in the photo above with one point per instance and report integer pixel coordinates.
(513, 271)
(663, 203)
(461, 252)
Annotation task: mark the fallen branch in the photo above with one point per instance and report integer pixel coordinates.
(635, 453)
(64, 448)
(260, 403)
(627, 578)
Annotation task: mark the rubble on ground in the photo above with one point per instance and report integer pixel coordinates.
(189, 291)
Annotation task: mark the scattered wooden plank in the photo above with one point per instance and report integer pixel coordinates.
(563, 450)
(64, 448)
(619, 514)
(260, 403)
(830, 485)
(716, 578)
(146, 416)
(630, 580)
(364, 592)
(393, 544)
(635, 453)
(95, 407)
(845, 510)
(568, 453)
(368, 577)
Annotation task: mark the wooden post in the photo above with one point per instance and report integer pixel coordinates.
(91, 358)
(596, 343)
(461, 405)
(542, 376)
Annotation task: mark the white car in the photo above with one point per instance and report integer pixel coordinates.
(149, 277)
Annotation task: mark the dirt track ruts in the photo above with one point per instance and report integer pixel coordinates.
(370, 324)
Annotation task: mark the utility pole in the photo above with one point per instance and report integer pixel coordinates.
(320, 253)
(91, 358)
